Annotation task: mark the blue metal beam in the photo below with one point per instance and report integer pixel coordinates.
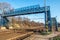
(26, 10)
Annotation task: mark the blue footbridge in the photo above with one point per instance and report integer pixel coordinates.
(35, 9)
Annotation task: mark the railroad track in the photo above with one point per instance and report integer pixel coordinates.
(11, 35)
(35, 37)
(43, 37)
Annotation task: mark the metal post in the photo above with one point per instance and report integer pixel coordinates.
(56, 24)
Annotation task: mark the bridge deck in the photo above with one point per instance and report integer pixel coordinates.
(26, 10)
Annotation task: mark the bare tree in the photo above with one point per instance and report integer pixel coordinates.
(5, 7)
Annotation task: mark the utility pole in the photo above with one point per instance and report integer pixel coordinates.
(46, 21)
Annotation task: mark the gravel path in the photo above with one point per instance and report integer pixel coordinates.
(40, 37)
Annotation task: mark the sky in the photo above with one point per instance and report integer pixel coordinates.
(54, 7)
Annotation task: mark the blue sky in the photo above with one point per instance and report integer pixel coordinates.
(54, 7)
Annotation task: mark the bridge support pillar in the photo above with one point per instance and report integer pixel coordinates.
(56, 25)
(48, 22)
(4, 22)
